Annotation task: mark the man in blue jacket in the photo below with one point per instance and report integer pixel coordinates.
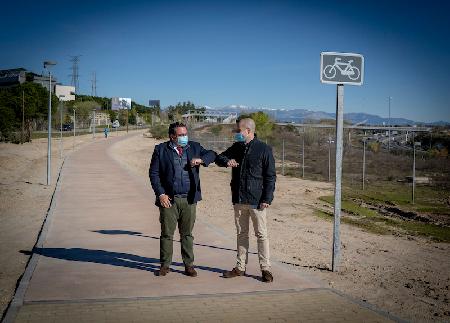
(174, 175)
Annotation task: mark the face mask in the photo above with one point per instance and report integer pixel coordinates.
(182, 140)
(239, 137)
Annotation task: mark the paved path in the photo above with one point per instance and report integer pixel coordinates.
(99, 254)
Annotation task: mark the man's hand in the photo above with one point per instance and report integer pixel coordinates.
(263, 206)
(165, 201)
(196, 162)
(232, 163)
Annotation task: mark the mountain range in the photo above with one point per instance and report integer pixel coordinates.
(305, 115)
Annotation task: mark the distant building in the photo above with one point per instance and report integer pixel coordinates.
(12, 77)
(67, 91)
(102, 118)
(17, 76)
(154, 103)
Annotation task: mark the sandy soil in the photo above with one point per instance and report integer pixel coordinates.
(24, 200)
(406, 276)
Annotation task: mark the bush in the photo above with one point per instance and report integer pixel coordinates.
(159, 131)
(374, 146)
(216, 129)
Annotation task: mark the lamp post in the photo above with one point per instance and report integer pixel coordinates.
(93, 124)
(61, 97)
(74, 125)
(47, 65)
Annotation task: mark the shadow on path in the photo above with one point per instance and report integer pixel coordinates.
(139, 234)
(119, 259)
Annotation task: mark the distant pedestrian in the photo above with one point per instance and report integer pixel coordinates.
(106, 131)
(253, 179)
(175, 177)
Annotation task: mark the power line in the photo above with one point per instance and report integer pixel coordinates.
(94, 84)
(75, 75)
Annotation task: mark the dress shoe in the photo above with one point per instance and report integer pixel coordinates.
(267, 276)
(164, 270)
(235, 272)
(190, 271)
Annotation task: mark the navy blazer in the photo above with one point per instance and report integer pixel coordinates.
(162, 170)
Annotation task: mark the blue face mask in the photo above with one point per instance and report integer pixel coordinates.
(182, 140)
(239, 137)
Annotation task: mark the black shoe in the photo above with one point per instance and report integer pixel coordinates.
(235, 272)
(267, 276)
(190, 271)
(164, 270)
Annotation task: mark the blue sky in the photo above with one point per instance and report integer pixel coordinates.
(255, 53)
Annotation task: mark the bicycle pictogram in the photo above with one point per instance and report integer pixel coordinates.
(346, 69)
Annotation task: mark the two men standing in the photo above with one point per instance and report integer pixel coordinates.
(174, 175)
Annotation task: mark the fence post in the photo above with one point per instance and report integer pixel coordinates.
(414, 166)
(282, 165)
(329, 158)
(364, 164)
(303, 154)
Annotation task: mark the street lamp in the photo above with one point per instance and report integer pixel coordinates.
(61, 100)
(74, 125)
(47, 65)
(93, 124)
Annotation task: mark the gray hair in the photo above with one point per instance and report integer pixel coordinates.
(248, 123)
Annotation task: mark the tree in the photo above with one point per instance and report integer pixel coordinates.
(175, 112)
(32, 99)
(264, 125)
(84, 112)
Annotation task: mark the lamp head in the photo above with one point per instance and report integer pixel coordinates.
(49, 63)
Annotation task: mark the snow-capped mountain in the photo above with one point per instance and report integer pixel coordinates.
(305, 115)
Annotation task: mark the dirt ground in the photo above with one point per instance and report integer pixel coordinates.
(24, 200)
(404, 275)
(407, 276)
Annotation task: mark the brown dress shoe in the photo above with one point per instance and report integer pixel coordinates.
(267, 276)
(235, 272)
(164, 270)
(190, 271)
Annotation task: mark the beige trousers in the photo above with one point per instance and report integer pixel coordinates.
(242, 215)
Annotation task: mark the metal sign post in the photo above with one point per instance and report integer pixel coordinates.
(337, 186)
(340, 69)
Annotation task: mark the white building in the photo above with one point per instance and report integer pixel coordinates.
(65, 92)
(102, 118)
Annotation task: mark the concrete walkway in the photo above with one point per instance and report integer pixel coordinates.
(99, 251)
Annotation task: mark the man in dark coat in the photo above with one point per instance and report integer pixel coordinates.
(174, 175)
(253, 179)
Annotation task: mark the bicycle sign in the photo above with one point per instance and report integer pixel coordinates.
(341, 68)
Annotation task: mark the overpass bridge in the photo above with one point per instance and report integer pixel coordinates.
(358, 127)
(210, 116)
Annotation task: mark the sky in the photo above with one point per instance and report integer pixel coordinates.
(262, 54)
